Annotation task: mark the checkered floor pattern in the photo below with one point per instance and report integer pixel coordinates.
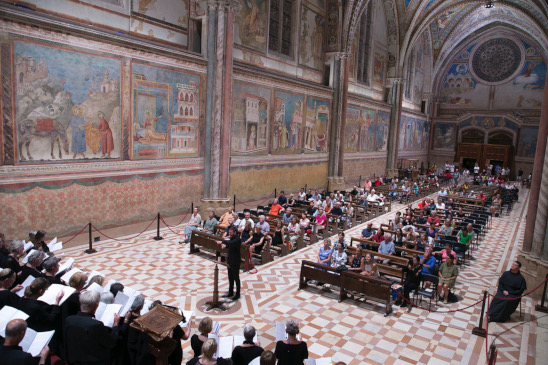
(351, 331)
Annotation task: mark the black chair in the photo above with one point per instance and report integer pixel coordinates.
(461, 250)
(430, 293)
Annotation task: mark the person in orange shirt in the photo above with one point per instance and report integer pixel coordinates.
(276, 208)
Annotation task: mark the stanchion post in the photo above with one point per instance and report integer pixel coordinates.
(191, 208)
(360, 181)
(542, 308)
(492, 354)
(480, 331)
(234, 202)
(275, 193)
(90, 248)
(158, 237)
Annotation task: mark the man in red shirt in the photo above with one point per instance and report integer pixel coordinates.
(481, 195)
(433, 219)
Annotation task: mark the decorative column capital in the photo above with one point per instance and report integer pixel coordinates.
(342, 55)
(397, 80)
(226, 5)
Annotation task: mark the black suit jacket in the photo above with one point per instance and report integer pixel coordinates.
(233, 246)
(87, 340)
(14, 355)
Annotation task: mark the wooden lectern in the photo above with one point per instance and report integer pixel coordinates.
(158, 324)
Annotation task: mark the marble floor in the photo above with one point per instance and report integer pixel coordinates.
(351, 331)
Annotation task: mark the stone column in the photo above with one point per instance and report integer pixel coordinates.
(395, 116)
(219, 102)
(536, 183)
(335, 178)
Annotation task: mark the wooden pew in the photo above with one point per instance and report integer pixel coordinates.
(376, 288)
(209, 242)
(321, 273)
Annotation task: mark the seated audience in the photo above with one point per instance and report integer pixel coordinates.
(210, 222)
(370, 266)
(387, 247)
(367, 233)
(340, 258)
(379, 235)
(446, 252)
(249, 350)
(324, 256)
(321, 220)
(357, 261)
(291, 351)
(412, 278)
(257, 241)
(293, 232)
(224, 218)
(279, 234)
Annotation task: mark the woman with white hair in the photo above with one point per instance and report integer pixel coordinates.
(35, 259)
(291, 351)
(16, 250)
(249, 350)
(51, 265)
(209, 348)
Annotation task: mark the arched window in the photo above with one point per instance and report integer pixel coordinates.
(500, 137)
(472, 136)
(280, 26)
(364, 45)
(191, 97)
(186, 111)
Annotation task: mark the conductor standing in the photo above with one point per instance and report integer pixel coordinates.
(233, 243)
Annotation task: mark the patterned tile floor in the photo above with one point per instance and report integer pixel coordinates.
(353, 332)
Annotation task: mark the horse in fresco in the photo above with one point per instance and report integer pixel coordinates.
(43, 128)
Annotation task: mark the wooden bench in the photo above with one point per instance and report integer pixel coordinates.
(209, 242)
(321, 273)
(376, 288)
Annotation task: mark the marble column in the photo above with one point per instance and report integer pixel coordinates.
(335, 177)
(219, 102)
(535, 205)
(393, 136)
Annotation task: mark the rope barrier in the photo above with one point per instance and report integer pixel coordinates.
(429, 310)
(487, 332)
(129, 238)
(182, 220)
(253, 205)
(168, 227)
(249, 263)
(73, 237)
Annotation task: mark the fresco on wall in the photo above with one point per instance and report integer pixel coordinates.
(312, 35)
(287, 132)
(445, 136)
(251, 24)
(526, 90)
(418, 85)
(414, 134)
(459, 88)
(352, 129)
(165, 114)
(67, 104)
(367, 130)
(250, 119)
(378, 70)
(320, 4)
(527, 142)
(173, 12)
(488, 123)
(383, 120)
(316, 124)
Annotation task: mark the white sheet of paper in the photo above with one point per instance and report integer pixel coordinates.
(239, 340)
(109, 284)
(26, 283)
(188, 315)
(7, 314)
(146, 306)
(68, 275)
(225, 347)
(28, 245)
(130, 292)
(105, 313)
(34, 342)
(320, 361)
(26, 258)
(51, 293)
(280, 332)
(53, 241)
(67, 265)
(256, 361)
(95, 287)
(58, 246)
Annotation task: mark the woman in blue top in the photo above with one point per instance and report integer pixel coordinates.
(432, 231)
(324, 257)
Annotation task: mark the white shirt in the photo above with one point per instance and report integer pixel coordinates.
(372, 198)
(244, 221)
(476, 169)
(302, 196)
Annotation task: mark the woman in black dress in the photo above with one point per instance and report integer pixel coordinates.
(291, 351)
(7, 296)
(412, 279)
(357, 263)
(245, 353)
(197, 340)
(209, 348)
(279, 233)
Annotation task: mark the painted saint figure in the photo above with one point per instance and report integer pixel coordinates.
(107, 143)
(251, 145)
(78, 132)
(151, 136)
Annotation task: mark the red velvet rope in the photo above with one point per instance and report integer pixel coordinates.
(253, 205)
(129, 238)
(182, 220)
(524, 295)
(73, 237)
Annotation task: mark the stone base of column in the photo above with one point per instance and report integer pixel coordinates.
(534, 271)
(392, 173)
(219, 206)
(335, 183)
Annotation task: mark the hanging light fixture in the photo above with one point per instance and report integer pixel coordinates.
(489, 4)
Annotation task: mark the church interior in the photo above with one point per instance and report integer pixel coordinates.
(118, 114)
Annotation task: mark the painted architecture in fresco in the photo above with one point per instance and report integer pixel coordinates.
(165, 112)
(445, 136)
(250, 120)
(67, 104)
(316, 123)
(367, 130)
(383, 120)
(527, 142)
(287, 132)
(414, 134)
